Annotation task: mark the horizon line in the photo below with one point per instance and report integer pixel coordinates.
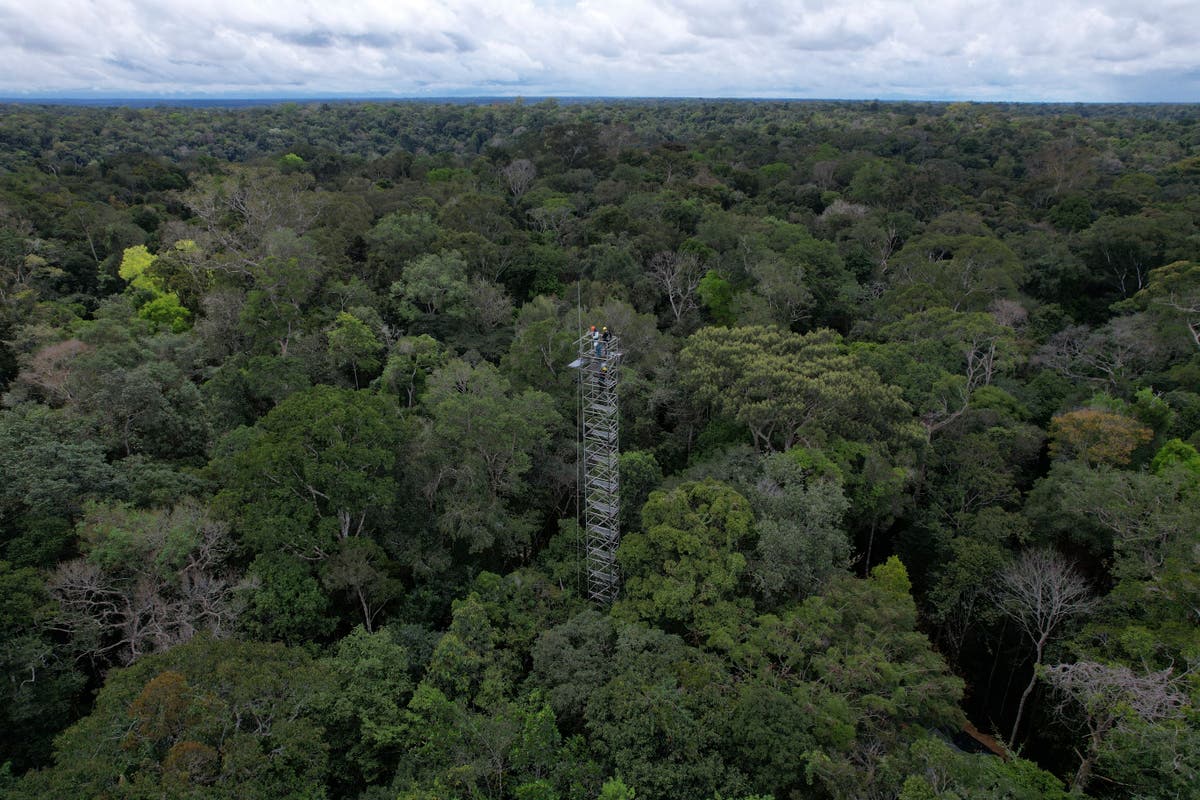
(175, 99)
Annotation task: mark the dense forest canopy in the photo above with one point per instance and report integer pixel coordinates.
(910, 483)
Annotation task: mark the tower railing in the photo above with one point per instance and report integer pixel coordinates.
(599, 374)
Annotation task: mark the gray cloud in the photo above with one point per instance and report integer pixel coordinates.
(984, 49)
(308, 38)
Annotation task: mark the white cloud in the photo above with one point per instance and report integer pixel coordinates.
(983, 49)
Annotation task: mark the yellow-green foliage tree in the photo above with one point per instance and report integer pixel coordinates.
(161, 308)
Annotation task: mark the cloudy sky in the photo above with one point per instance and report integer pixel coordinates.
(1071, 50)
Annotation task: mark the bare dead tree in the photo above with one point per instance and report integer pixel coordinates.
(886, 246)
(1039, 592)
(116, 611)
(1108, 355)
(678, 276)
(982, 354)
(1008, 313)
(519, 176)
(844, 208)
(1111, 697)
(48, 370)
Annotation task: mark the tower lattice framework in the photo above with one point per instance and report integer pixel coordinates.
(599, 367)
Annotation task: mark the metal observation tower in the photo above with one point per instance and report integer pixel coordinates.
(599, 370)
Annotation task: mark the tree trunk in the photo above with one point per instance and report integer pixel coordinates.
(1012, 739)
(995, 661)
(870, 547)
(366, 609)
(1084, 774)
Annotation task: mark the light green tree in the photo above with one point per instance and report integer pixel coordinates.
(364, 713)
(410, 362)
(683, 571)
(353, 344)
(432, 284)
